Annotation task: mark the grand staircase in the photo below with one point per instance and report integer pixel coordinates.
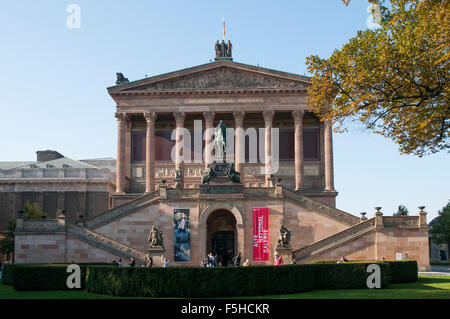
(335, 240)
(122, 210)
(114, 247)
(89, 235)
(321, 208)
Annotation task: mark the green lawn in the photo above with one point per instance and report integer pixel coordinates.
(426, 287)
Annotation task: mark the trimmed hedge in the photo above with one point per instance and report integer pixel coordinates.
(403, 271)
(9, 269)
(347, 275)
(195, 282)
(49, 277)
(201, 282)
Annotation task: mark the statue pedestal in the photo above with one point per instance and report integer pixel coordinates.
(156, 253)
(285, 253)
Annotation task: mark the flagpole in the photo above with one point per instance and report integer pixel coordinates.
(223, 28)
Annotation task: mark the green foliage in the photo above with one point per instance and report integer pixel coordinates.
(241, 281)
(32, 211)
(401, 211)
(347, 275)
(440, 232)
(7, 243)
(201, 282)
(48, 277)
(403, 271)
(10, 270)
(394, 80)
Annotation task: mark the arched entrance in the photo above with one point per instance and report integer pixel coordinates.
(221, 235)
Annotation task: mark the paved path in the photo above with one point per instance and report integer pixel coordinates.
(437, 270)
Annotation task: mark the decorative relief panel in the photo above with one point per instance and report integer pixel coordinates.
(225, 78)
(193, 171)
(161, 172)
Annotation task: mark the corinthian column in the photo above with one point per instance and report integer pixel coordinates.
(239, 149)
(209, 135)
(179, 118)
(328, 143)
(120, 174)
(298, 123)
(150, 118)
(268, 117)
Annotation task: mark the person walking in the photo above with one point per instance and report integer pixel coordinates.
(165, 262)
(132, 262)
(149, 262)
(237, 260)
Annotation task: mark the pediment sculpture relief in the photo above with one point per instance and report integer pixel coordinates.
(224, 78)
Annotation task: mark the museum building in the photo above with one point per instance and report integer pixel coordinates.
(275, 171)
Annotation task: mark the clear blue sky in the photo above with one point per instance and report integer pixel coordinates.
(53, 80)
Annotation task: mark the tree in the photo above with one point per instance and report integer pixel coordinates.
(394, 79)
(402, 211)
(440, 232)
(32, 211)
(7, 243)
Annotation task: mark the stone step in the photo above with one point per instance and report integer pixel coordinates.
(122, 210)
(105, 243)
(335, 240)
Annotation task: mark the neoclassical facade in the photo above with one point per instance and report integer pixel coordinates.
(282, 152)
(245, 98)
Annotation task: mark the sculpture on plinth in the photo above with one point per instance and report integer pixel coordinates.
(233, 174)
(206, 178)
(120, 78)
(223, 50)
(284, 238)
(155, 238)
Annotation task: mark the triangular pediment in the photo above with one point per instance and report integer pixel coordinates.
(217, 75)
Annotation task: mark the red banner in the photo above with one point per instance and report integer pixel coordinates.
(260, 234)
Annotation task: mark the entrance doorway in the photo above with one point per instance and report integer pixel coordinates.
(221, 236)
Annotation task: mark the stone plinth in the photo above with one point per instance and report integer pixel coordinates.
(156, 253)
(285, 253)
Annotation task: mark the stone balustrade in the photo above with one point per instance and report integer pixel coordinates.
(59, 173)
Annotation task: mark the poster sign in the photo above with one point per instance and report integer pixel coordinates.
(182, 245)
(260, 234)
(398, 256)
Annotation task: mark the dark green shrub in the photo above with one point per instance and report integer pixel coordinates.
(347, 275)
(198, 282)
(403, 271)
(9, 270)
(44, 277)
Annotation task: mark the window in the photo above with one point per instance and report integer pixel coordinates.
(163, 145)
(311, 150)
(287, 144)
(138, 146)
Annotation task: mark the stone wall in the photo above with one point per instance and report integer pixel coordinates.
(307, 226)
(382, 243)
(40, 248)
(81, 251)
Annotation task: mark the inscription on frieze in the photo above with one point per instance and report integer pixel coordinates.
(221, 189)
